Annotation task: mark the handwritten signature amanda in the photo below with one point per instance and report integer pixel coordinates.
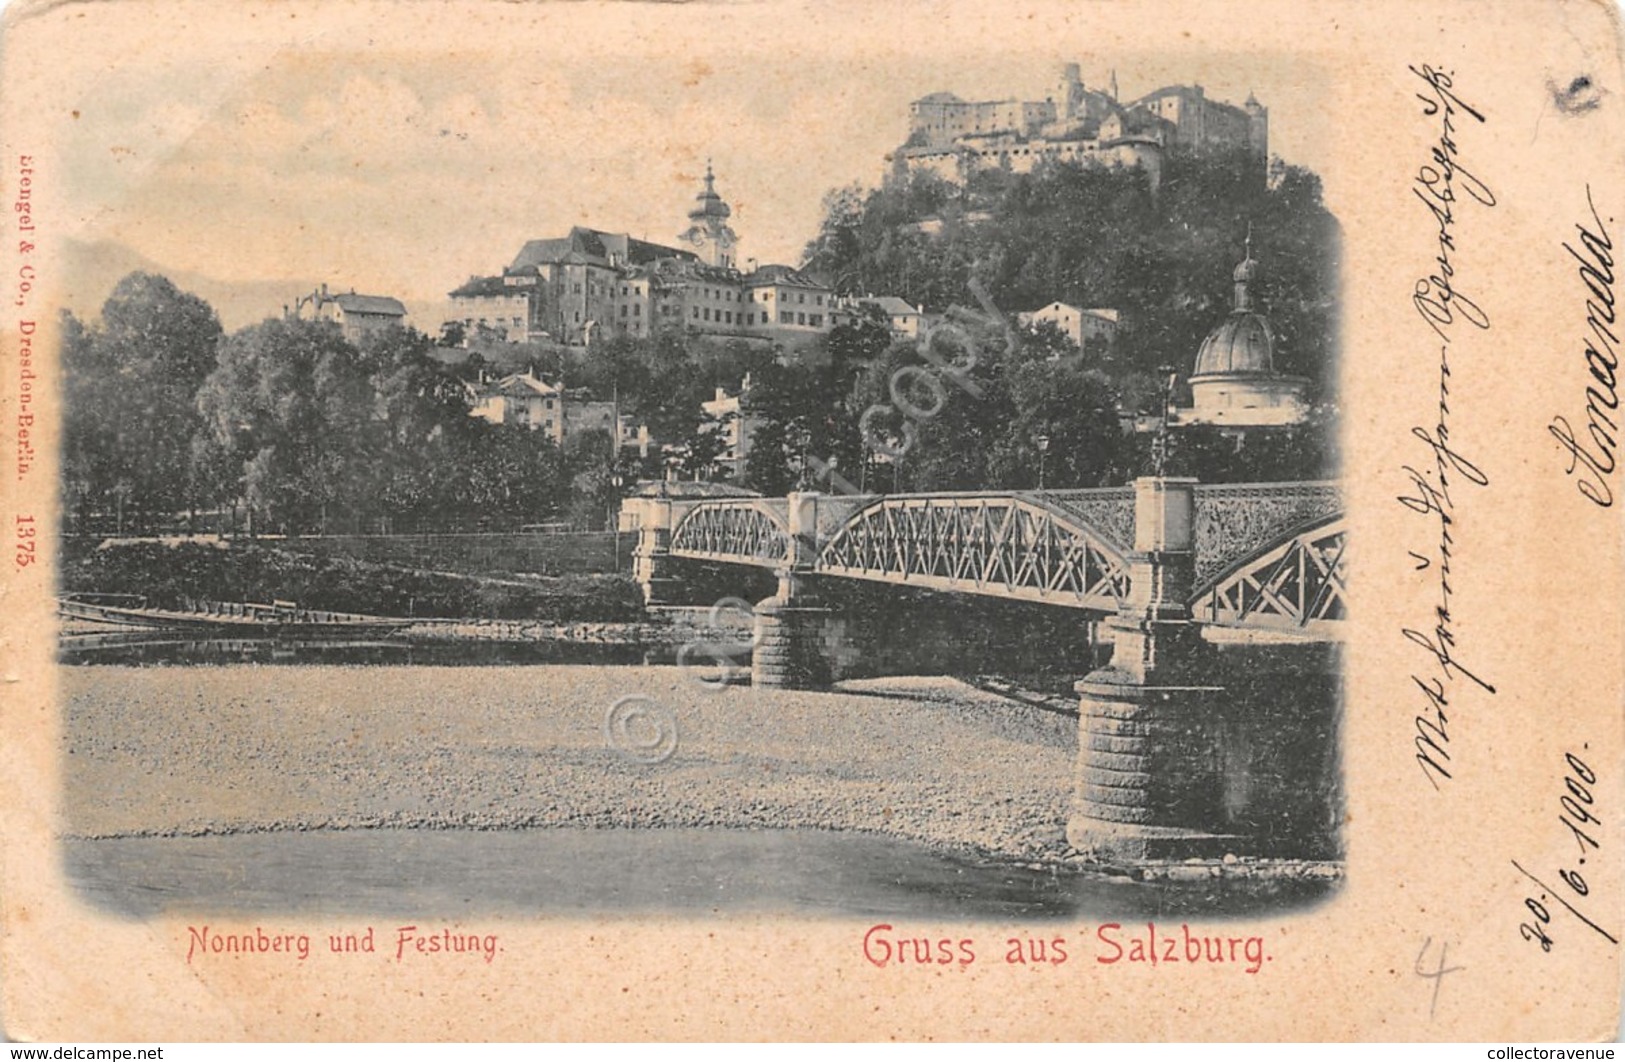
(1602, 398)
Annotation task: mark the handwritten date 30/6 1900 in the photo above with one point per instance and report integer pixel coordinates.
(1578, 815)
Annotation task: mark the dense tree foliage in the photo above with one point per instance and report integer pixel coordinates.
(1098, 237)
(128, 383)
(293, 423)
(295, 428)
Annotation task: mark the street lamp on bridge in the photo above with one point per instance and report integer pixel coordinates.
(1159, 445)
(1043, 449)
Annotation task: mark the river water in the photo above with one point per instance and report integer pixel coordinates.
(685, 872)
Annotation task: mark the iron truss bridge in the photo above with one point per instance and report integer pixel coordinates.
(1267, 555)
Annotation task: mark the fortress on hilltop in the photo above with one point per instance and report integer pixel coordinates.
(954, 138)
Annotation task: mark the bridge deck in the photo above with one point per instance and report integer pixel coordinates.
(1267, 555)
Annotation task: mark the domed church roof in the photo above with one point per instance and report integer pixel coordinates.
(708, 204)
(1243, 343)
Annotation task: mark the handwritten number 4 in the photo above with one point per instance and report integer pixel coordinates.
(1437, 974)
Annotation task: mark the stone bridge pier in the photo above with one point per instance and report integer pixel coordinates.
(1183, 750)
(653, 565)
(1146, 778)
(793, 631)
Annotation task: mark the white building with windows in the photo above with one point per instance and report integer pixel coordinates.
(737, 425)
(591, 285)
(523, 400)
(1082, 326)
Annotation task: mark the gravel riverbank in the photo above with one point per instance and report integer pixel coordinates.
(192, 751)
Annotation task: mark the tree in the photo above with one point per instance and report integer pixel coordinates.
(453, 334)
(130, 387)
(291, 402)
(767, 463)
(590, 460)
(700, 447)
(1075, 410)
(89, 457)
(420, 410)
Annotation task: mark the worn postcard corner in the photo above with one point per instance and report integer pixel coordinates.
(811, 521)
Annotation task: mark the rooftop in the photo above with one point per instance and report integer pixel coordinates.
(478, 286)
(592, 246)
(889, 304)
(350, 302)
(783, 276)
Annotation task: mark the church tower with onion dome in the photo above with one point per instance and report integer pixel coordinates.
(1234, 382)
(708, 231)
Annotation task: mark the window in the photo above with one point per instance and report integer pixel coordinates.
(801, 298)
(623, 309)
(637, 310)
(519, 322)
(816, 320)
(750, 318)
(623, 289)
(548, 403)
(820, 299)
(576, 287)
(578, 317)
(786, 317)
(696, 313)
(729, 314)
(801, 318)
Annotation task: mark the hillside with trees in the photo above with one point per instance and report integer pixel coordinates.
(1098, 237)
(1012, 406)
(290, 427)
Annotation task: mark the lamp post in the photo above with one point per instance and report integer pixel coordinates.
(614, 527)
(1159, 445)
(1043, 449)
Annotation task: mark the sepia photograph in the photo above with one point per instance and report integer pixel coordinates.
(491, 475)
(989, 544)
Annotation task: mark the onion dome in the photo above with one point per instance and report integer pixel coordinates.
(708, 204)
(1243, 342)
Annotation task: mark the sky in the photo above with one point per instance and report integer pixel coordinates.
(405, 162)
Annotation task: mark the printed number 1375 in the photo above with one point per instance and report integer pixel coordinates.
(26, 533)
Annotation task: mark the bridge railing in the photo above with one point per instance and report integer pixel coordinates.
(1234, 521)
(1064, 546)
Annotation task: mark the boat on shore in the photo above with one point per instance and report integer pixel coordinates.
(279, 619)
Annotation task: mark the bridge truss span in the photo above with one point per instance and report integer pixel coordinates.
(754, 532)
(1009, 545)
(1297, 583)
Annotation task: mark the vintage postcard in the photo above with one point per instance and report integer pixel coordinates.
(789, 520)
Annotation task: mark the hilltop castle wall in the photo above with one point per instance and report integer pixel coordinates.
(954, 138)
